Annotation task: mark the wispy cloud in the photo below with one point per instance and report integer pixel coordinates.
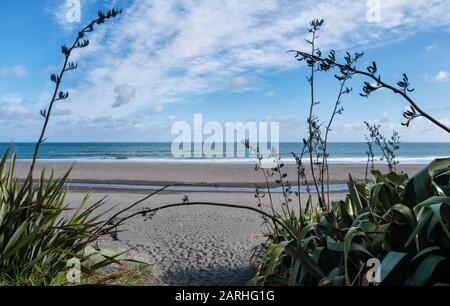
(169, 50)
(125, 93)
(431, 47)
(16, 71)
(442, 76)
(12, 107)
(16, 118)
(159, 108)
(420, 130)
(241, 83)
(69, 14)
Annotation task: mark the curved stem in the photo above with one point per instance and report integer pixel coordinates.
(405, 96)
(382, 83)
(317, 269)
(139, 202)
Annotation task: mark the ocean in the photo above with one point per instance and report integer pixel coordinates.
(342, 153)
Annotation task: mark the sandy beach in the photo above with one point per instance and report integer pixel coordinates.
(218, 174)
(196, 245)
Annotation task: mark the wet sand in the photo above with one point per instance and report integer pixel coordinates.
(216, 174)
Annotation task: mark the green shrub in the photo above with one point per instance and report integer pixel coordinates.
(404, 223)
(39, 233)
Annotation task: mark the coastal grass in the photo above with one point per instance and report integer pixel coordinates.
(401, 223)
(40, 235)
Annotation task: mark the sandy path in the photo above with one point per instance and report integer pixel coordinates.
(194, 245)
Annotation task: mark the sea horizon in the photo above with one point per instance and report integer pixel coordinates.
(160, 152)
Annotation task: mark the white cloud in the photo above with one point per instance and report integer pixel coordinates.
(16, 71)
(16, 118)
(442, 76)
(444, 108)
(420, 129)
(125, 93)
(158, 108)
(240, 82)
(170, 50)
(431, 47)
(61, 112)
(12, 106)
(270, 93)
(352, 126)
(69, 14)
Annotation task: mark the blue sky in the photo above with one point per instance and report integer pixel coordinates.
(163, 60)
